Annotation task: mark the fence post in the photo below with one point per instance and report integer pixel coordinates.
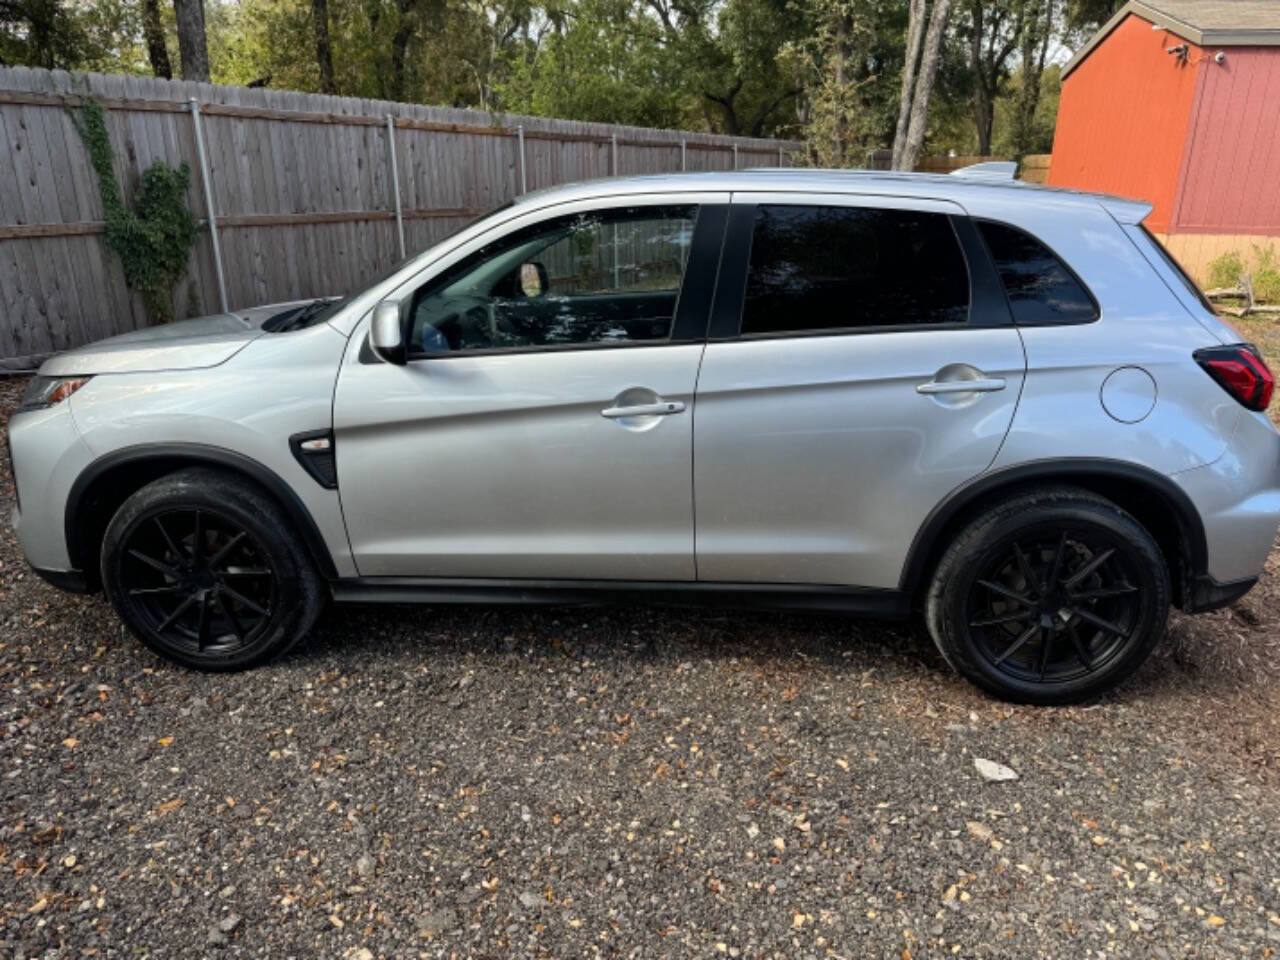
(613, 155)
(524, 186)
(782, 160)
(735, 156)
(208, 202)
(395, 183)
(684, 154)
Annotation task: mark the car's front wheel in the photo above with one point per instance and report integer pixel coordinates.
(201, 565)
(1050, 597)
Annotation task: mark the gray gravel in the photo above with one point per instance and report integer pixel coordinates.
(494, 782)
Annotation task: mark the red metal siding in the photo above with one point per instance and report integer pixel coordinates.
(1231, 180)
(1123, 118)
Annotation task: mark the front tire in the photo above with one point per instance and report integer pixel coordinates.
(202, 567)
(1052, 597)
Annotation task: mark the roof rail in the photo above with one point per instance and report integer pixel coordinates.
(990, 170)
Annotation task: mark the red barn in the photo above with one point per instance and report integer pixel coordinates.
(1178, 102)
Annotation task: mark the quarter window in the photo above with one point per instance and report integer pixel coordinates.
(816, 268)
(610, 276)
(1042, 291)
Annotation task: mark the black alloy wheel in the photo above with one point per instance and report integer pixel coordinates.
(1047, 610)
(198, 580)
(204, 567)
(1053, 596)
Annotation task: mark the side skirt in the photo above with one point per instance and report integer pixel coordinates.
(863, 601)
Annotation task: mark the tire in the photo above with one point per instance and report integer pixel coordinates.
(249, 592)
(1029, 632)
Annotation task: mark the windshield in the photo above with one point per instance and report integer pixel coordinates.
(318, 311)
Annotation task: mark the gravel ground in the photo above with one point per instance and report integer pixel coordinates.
(577, 782)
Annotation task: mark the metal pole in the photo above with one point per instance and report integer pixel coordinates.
(735, 156)
(208, 203)
(782, 160)
(524, 187)
(684, 155)
(613, 155)
(395, 183)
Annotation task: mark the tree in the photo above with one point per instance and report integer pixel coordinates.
(38, 33)
(912, 141)
(915, 34)
(193, 50)
(1033, 48)
(324, 54)
(157, 50)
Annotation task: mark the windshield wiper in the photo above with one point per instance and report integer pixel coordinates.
(306, 316)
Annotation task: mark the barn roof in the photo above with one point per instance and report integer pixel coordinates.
(1206, 23)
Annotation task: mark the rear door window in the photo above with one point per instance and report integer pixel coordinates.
(820, 268)
(1042, 291)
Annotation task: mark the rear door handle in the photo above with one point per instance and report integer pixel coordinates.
(660, 409)
(987, 385)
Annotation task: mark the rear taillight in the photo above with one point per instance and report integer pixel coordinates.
(1241, 371)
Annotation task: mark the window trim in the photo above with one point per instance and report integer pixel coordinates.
(692, 297)
(1097, 307)
(988, 305)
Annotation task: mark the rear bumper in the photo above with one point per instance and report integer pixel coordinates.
(1207, 594)
(1238, 499)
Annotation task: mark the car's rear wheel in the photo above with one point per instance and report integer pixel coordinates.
(1051, 597)
(201, 565)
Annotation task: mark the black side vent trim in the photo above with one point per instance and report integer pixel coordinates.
(315, 451)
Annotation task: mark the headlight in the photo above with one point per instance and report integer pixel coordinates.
(47, 391)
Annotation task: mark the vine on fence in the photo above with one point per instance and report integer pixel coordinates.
(153, 242)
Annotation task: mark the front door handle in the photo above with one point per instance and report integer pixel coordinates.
(660, 409)
(985, 385)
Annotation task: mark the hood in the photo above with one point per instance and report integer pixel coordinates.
(184, 345)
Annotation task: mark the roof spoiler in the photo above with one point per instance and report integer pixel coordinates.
(1126, 211)
(988, 170)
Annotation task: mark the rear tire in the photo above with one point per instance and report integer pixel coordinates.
(1051, 597)
(203, 567)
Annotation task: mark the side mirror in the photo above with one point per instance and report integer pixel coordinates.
(386, 333)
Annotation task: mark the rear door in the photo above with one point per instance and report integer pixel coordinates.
(861, 364)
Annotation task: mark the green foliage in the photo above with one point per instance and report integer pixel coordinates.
(1266, 274)
(154, 242)
(1226, 270)
(849, 57)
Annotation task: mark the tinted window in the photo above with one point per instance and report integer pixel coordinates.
(819, 268)
(1041, 289)
(610, 276)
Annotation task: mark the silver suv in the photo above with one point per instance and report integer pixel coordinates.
(856, 392)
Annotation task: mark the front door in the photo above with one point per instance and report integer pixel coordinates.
(861, 364)
(542, 426)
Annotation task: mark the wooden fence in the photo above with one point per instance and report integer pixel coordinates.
(311, 194)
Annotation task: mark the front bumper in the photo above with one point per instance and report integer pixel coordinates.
(69, 581)
(47, 455)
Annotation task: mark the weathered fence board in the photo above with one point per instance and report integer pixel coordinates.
(301, 186)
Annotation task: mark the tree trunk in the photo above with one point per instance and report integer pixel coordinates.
(193, 50)
(983, 105)
(42, 26)
(1036, 30)
(324, 53)
(400, 46)
(841, 121)
(915, 33)
(924, 84)
(157, 52)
